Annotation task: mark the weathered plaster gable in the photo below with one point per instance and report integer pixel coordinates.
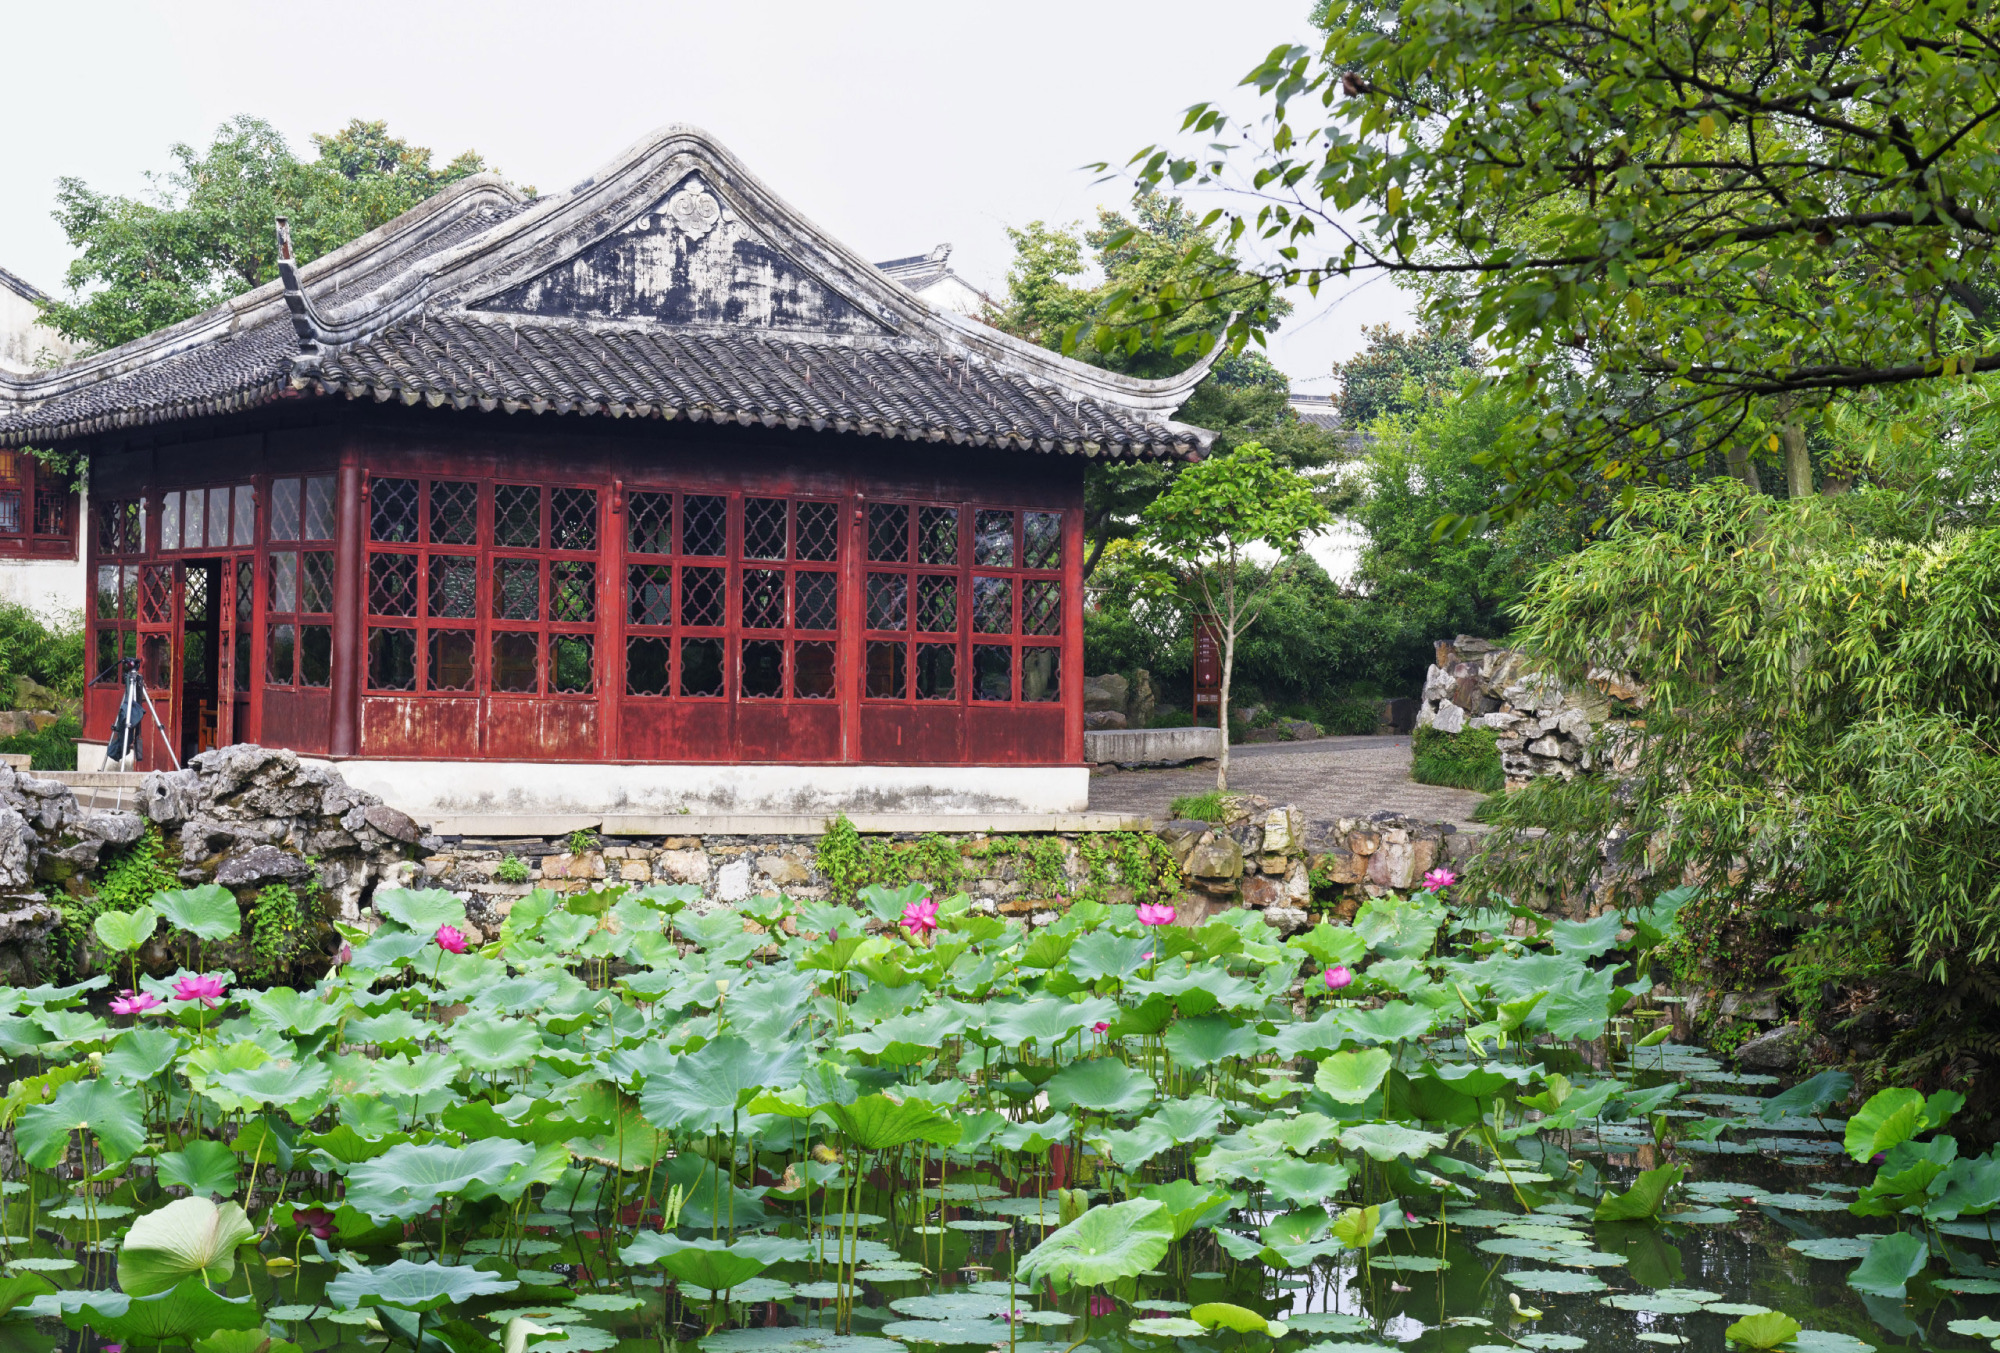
(689, 259)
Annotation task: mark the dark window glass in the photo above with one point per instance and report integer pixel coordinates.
(107, 656)
(764, 598)
(241, 650)
(284, 509)
(763, 528)
(106, 607)
(571, 669)
(572, 591)
(120, 528)
(937, 603)
(888, 601)
(992, 672)
(517, 516)
(10, 512)
(52, 512)
(191, 518)
(128, 592)
(701, 667)
(704, 524)
(889, 533)
(937, 535)
(451, 660)
(280, 655)
(392, 584)
(649, 523)
(392, 659)
(155, 657)
(454, 587)
(646, 665)
(318, 523)
(392, 510)
(886, 671)
(993, 605)
(937, 671)
(454, 512)
(516, 658)
(818, 532)
(244, 532)
(284, 571)
(573, 519)
(812, 670)
(702, 595)
(815, 608)
(194, 660)
(1041, 606)
(316, 581)
(763, 669)
(517, 589)
(246, 576)
(315, 655)
(649, 596)
(993, 539)
(1041, 540)
(1041, 670)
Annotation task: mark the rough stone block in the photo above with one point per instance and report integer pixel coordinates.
(1216, 857)
(681, 866)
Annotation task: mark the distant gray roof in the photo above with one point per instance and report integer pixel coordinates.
(670, 284)
(1319, 410)
(26, 290)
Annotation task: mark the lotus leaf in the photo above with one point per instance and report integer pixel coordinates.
(202, 1167)
(123, 931)
(188, 1238)
(278, 1082)
(1351, 1077)
(422, 911)
(1386, 1141)
(1213, 1039)
(1105, 1244)
(705, 1090)
(1890, 1118)
(208, 912)
(188, 1308)
(408, 1180)
(493, 1045)
(1101, 1085)
(107, 1111)
(1643, 1200)
(415, 1287)
(1892, 1261)
(702, 1261)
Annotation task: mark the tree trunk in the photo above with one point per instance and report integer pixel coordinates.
(1798, 464)
(1222, 703)
(1743, 468)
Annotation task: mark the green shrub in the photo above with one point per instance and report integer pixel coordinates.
(1350, 716)
(46, 649)
(1199, 807)
(53, 748)
(1172, 718)
(513, 869)
(283, 925)
(1463, 760)
(137, 872)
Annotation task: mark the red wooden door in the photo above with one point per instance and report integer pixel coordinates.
(159, 644)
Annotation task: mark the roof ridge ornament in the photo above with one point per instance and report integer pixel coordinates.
(316, 331)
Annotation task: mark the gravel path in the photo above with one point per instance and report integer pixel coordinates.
(1327, 778)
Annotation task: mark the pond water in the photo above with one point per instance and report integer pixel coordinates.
(630, 1123)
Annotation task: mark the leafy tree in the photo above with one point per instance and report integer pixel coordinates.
(1729, 218)
(1207, 525)
(204, 232)
(1401, 373)
(1245, 398)
(1421, 586)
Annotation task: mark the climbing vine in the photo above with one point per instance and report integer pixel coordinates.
(1138, 860)
(283, 924)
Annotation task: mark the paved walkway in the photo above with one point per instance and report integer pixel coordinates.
(1327, 778)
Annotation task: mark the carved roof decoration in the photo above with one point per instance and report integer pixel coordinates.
(670, 284)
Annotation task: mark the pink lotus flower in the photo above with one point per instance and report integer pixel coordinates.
(1337, 977)
(452, 940)
(1439, 879)
(317, 1220)
(201, 987)
(1100, 1028)
(1101, 1305)
(346, 954)
(135, 1003)
(920, 918)
(1155, 913)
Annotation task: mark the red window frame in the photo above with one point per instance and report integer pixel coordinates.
(38, 510)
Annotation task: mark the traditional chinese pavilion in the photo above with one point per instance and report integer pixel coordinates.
(646, 496)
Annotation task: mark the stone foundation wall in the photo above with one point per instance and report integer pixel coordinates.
(1262, 856)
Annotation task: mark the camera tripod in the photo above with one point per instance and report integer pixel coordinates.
(130, 723)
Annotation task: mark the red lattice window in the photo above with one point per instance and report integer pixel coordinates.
(482, 588)
(731, 596)
(220, 517)
(963, 602)
(37, 509)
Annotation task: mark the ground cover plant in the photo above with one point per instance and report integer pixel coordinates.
(634, 1120)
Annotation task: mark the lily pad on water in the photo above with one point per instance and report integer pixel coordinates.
(1651, 1303)
(1834, 1247)
(1801, 1202)
(1557, 1281)
(415, 1287)
(1827, 1341)
(1552, 1343)
(949, 1331)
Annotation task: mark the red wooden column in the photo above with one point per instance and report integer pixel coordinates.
(349, 589)
(853, 618)
(1072, 626)
(611, 622)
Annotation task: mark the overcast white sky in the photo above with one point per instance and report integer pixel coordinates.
(895, 126)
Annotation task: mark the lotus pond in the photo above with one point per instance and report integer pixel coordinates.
(634, 1121)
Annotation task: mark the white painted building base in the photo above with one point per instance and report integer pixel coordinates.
(437, 792)
(49, 587)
